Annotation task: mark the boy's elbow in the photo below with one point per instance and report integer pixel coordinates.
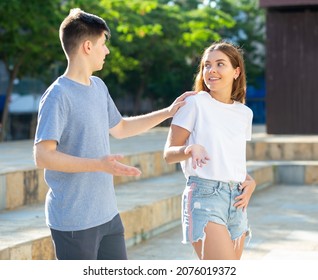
(38, 159)
(38, 162)
(118, 136)
(119, 131)
(167, 158)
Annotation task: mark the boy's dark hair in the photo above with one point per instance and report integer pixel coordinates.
(79, 26)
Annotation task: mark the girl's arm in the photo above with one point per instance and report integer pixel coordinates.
(176, 149)
(248, 187)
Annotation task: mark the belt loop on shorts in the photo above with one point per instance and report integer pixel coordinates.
(220, 185)
(231, 184)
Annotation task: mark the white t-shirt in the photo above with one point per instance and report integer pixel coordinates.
(223, 130)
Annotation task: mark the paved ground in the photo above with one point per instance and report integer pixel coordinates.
(284, 219)
(284, 223)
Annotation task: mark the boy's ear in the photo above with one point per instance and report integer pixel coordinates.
(87, 46)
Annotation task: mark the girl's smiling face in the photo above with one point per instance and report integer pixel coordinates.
(218, 72)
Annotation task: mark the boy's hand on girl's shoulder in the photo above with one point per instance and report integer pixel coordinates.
(111, 164)
(179, 102)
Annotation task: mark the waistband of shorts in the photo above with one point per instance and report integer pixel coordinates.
(209, 182)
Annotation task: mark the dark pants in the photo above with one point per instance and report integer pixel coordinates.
(104, 242)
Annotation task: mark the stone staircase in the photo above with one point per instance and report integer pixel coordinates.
(149, 205)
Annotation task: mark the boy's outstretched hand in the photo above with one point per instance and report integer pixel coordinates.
(110, 164)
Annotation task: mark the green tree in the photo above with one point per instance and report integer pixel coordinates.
(155, 45)
(28, 35)
(248, 32)
(30, 41)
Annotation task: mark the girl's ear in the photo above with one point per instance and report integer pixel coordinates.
(237, 73)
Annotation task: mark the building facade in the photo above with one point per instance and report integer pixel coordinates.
(291, 61)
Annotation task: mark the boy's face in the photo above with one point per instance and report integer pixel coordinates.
(99, 53)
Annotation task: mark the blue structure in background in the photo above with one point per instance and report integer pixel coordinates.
(255, 99)
(3, 86)
(2, 100)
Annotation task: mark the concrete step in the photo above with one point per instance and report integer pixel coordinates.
(285, 172)
(147, 207)
(18, 155)
(21, 183)
(282, 147)
(26, 187)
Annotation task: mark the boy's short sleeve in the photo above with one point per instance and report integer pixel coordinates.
(51, 119)
(114, 116)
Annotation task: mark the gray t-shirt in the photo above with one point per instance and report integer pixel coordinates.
(78, 117)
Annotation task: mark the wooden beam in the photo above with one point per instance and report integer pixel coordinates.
(286, 3)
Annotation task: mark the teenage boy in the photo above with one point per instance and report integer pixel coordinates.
(76, 115)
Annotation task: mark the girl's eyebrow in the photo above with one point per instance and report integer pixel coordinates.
(218, 60)
(221, 59)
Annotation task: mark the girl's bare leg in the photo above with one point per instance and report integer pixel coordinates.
(218, 244)
(239, 247)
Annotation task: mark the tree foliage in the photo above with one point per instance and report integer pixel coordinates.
(29, 41)
(27, 36)
(248, 32)
(155, 45)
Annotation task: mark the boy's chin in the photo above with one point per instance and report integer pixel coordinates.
(98, 68)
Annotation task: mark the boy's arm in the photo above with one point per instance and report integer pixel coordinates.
(46, 156)
(132, 126)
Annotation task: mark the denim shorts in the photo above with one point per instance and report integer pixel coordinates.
(206, 201)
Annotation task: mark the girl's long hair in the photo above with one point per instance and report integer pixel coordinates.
(235, 54)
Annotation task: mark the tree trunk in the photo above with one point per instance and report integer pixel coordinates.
(33, 125)
(138, 98)
(12, 75)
